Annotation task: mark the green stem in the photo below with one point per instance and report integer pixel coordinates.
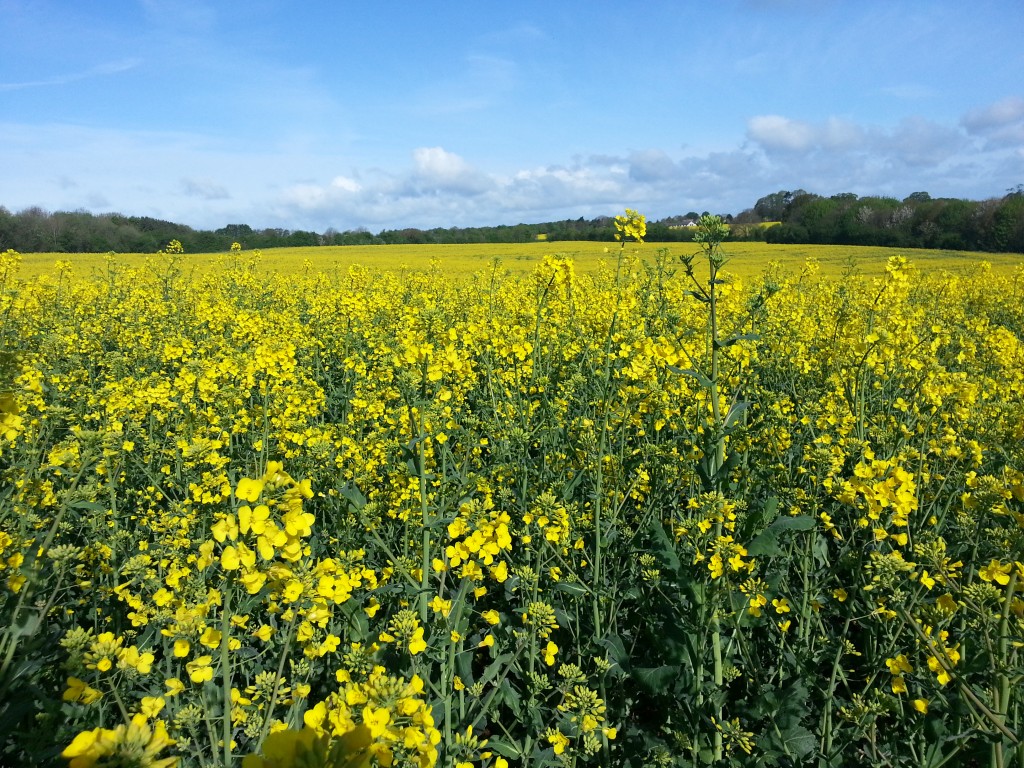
(977, 704)
(225, 670)
(277, 679)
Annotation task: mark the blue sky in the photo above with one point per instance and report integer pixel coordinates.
(390, 114)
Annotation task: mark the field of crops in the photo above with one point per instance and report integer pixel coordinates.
(636, 513)
(748, 260)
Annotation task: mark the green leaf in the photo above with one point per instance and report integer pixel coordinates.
(495, 667)
(464, 667)
(703, 380)
(618, 651)
(93, 506)
(735, 411)
(664, 546)
(799, 741)
(766, 543)
(351, 493)
(740, 337)
(794, 523)
(656, 679)
(504, 748)
(511, 697)
(573, 588)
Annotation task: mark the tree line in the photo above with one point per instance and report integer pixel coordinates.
(917, 221)
(35, 230)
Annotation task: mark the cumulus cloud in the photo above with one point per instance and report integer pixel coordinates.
(912, 142)
(345, 184)
(217, 182)
(776, 133)
(919, 142)
(651, 165)
(1000, 124)
(438, 169)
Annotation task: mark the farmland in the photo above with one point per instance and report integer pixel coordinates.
(593, 505)
(746, 259)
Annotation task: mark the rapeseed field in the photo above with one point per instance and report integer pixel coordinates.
(747, 260)
(652, 512)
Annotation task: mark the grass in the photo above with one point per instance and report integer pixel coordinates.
(745, 259)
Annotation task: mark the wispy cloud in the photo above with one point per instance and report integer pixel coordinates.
(100, 70)
(205, 189)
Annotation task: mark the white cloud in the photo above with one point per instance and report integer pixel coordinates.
(312, 185)
(912, 142)
(919, 142)
(437, 169)
(1001, 124)
(995, 116)
(778, 133)
(346, 184)
(651, 165)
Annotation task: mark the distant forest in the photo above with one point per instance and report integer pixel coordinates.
(917, 221)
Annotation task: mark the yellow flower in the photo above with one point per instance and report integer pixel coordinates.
(288, 748)
(437, 605)
(133, 744)
(150, 706)
(225, 528)
(253, 581)
(376, 719)
(199, 670)
(899, 665)
(921, 705)
(80, 691)
(416, 643)
(558, 740)
(210, 637)
(941, 674)
(549, 653)
(253, 520)
(248, 489)
(292, 590)
(131, 658)
(996, 571)
(229, 559)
